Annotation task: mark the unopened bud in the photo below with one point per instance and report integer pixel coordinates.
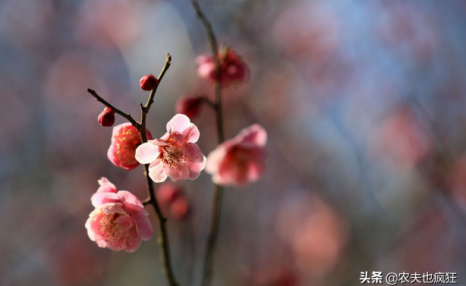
(188, 106)
(107, 117)
(148, 82)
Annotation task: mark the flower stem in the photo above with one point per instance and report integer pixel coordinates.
(163, 236)
(118, 111)
(218, 192)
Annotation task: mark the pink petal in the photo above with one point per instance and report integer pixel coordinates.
(131, 203)
(93, 225)
(255, 171)
(178, 172)
(104, 182)
(191, 134)
(144, 226)
(206, 70)
(117, 128)
(111, 208)
(133, 242)
(146, 153)
(117, 245)
(254, 135)
(196, 168)
(125, 222)
(178, 123)
(205, 58)
(157, 171)
(161, 142)
(111, 156)
(90, 232)
(193, 153)
(101, 198)
(214, 159)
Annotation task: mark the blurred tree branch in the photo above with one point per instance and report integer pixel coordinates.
(218, 192)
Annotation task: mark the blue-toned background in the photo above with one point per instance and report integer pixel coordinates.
(364, 106)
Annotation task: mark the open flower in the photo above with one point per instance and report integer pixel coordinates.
(175, 154)
(125, 139)
(232, 67)
(241, 160)
(119, 220)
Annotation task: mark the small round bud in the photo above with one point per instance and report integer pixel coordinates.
(148, 82)
(189, 106)
(107, 117)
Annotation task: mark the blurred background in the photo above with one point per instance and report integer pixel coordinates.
(363, 102)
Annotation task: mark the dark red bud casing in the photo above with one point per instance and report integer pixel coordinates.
(148, 82)
(107, 117)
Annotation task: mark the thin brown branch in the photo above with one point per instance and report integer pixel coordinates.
(118, 111)
(208, 102)
(150, 100)
(163, 236)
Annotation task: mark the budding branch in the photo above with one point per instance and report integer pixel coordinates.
(141, 127)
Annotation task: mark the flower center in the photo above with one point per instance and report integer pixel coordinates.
(172, 154)
(111, 230)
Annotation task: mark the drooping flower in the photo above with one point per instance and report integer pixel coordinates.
(107, 117)
(148, 82)
(125, 140)
(241, 160)
(119, 221)
(189, 106)
(175, 155)
(233, 69)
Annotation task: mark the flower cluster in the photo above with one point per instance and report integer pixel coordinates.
(119, 221)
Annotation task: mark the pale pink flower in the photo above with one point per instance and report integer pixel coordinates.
(119, 221)
(241, 160)
(125, 139)
(175, 155)
(233, 69)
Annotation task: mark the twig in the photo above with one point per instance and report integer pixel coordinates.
(218, 192)
(150, 100)
(208, 102)
(163, 237)
(118, 111)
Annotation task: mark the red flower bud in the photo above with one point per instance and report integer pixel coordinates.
(188, 106)
(148, 82)
(107, 117)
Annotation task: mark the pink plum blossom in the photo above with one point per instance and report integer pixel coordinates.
(232, 67)
(241, 160)
(125, 139)
(119, 221)
(175, 155)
